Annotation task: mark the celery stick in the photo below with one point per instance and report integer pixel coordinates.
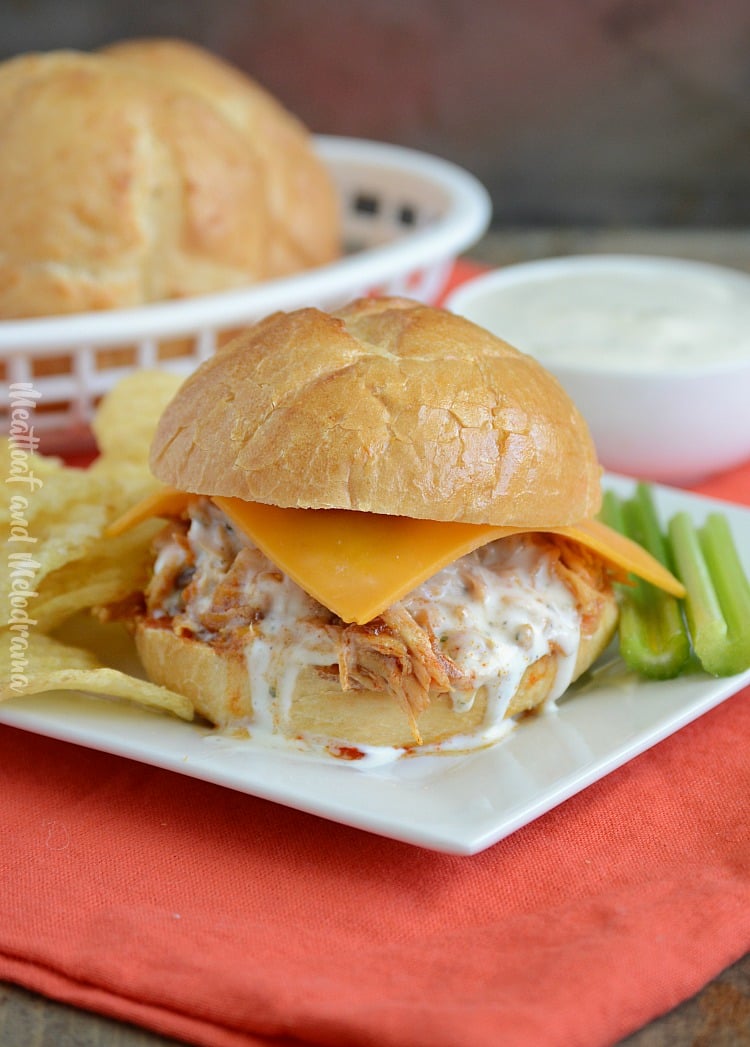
(645, 523)
(663, 647)
(731, 582)
(717, 604)
(653, 638)
(649, 643)
(611, 511)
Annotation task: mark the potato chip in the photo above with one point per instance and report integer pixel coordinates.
(62, 516)
(126, 419)
(39, 664)
(59, 562)
(10, 450)
(21, 468)
(110, 571)
(64, 520)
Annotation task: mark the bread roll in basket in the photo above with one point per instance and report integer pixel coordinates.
(150, 171)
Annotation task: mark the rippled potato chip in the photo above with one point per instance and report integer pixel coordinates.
(58, 514)
(17, 465)
(108, 573)
(127, 416)
(60, 560)
(63, 522)
(41, 664)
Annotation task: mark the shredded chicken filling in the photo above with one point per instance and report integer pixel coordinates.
(479, 622)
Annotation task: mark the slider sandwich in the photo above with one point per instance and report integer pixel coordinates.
(379, 532)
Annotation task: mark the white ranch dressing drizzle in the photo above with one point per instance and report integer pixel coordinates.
(520, 593)
(495, 612)
(286, 640)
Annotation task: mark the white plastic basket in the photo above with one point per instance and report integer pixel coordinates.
(406, 216)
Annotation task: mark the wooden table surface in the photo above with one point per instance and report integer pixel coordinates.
(719, 1015)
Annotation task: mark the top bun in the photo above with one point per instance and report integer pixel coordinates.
(385, 406)
(147, 172)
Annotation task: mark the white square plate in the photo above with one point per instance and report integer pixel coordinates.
(461, 804)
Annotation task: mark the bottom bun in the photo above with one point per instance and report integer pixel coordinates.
(219, 686)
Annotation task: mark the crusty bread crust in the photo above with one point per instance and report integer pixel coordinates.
(385, 406)
(123, 183)
(301, 205)
(218, 684)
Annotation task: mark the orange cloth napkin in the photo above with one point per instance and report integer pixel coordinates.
(225, 920)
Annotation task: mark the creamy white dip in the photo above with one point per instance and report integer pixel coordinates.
(649, 314)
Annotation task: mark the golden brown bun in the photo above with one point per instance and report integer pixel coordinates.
(120, 184)
(219, 687)
(386, 406)
(303, 209)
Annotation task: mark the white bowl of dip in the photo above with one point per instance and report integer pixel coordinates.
(654, 351)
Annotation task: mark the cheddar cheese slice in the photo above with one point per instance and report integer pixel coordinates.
(358, 564)
(164, 502)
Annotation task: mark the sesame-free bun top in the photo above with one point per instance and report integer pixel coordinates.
(147, 172)
(301, 203)
(384, 406)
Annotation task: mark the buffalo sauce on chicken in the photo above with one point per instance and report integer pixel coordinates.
(480, 622)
